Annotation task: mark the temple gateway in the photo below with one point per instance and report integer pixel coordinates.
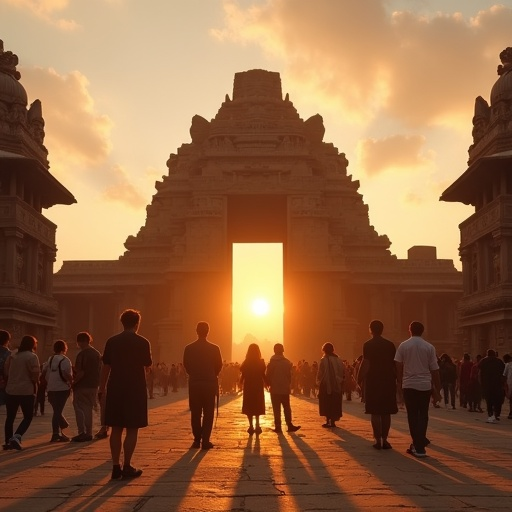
(257, 172)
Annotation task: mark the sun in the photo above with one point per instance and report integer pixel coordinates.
(260, 307)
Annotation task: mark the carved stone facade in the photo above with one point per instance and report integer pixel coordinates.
(27, 238)
(485, 310)
(257, 172)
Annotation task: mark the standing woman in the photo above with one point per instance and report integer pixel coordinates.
(252, 380)
(377, 376)
(22, 371)
(330, 378)
(59, 376)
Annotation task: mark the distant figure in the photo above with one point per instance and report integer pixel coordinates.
(278, 376)
(40, 401)
(418, 378)
(252, 381)
(491, 378)
(330, 377)
(85, 386)
(22, 372)
(59, 377)
(202, 362)
(448, 375)
(507, 380)
(377, 376)
(465, 382)
(125, 359)
(5, 337)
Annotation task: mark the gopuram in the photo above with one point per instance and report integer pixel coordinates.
(27, 238)
(485, 310)
(259, 173)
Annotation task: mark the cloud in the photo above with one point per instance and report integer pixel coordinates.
(76, 134)
(422, 71)
(122, 190)
(397, 151)
(46, 10)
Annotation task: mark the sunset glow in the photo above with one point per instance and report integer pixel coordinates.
(260, 307)
(257, 296)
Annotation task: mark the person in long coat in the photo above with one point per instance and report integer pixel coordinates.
(252, 379)
(126, 357)
(330, 377)
(377, 376)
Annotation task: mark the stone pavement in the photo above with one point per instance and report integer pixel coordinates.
(469, 465)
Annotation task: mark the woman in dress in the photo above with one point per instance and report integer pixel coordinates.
(59, 377)
(377, 376)
(252, 380)
(330, 378)
(22, 371)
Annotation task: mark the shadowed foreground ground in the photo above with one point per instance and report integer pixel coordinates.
(469, 465)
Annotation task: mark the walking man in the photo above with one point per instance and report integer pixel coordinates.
(491, 379)
(125, 359)
(417, 377)
(203, 362)
(85, 385)
(278, 377)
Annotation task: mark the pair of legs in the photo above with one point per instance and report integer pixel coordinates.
(127, 446)
(449, 392)
(494, 401)
(253, 428)
(58, 400)
(12, 404)
(381, 423)
(416, 403)
(201, 401)
(279, 401)
(83, 404)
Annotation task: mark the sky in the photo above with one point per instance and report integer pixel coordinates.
(120, 80)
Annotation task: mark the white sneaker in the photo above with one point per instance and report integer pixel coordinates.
(491, 419)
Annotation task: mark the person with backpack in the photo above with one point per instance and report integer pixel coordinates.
(59, 377)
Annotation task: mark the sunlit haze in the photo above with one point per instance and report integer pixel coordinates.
(257, 297)
(395, 82)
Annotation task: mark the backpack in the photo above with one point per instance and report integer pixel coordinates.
(49, 366)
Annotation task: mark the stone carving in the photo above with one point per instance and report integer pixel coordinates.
(199, 129)
(20, 262)
(8, 62)
(506, 61)
(314, 128)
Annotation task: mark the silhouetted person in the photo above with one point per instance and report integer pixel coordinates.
(252, 381)
(125, 359)
(85, 385)
(418, 378)
(203, 362)
(491, 379)
(330, 377)
(377, 376)
(59, 376)
(22, 371)
(279, 379)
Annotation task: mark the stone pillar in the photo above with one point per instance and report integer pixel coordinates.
(15, 257)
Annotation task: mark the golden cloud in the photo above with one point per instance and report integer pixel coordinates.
(395, 152)
(122, 190)
(76, 134)
(422, 71)
(46, 10)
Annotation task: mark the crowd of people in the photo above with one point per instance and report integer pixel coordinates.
(120, 381)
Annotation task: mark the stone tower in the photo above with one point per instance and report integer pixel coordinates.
(485, 310)
(257, 172)
(27, 238)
